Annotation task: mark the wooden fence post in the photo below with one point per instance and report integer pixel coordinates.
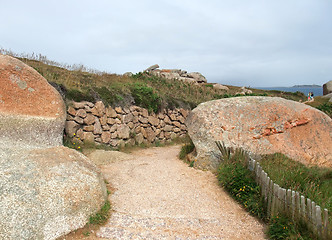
(280, 200)
(290, 202)
(303, 207)
(319, 221)
(313, 216)
(297, 211)
(270, 196)
(309, 213)
(274, 199)
(293, 205)
(326, 224)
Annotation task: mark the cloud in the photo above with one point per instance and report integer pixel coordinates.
(230, 41)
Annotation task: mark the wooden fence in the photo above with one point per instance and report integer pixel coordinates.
(292, 203)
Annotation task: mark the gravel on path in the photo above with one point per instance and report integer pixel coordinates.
(157, 196)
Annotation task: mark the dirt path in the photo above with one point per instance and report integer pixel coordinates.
(157, 196)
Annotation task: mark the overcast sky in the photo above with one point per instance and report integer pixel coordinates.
(236, 42)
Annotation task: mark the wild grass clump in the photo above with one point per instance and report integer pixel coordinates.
(311, 181)
(101, 217)
(326, 108)
(239, 181)
(322, 104)
(281, 227)
(186, 149)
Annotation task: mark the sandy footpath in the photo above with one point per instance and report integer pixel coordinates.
(157, 196)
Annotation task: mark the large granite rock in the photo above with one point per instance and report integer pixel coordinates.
(261, 125)
(32, 112)
(329, 96)
(46, 193)
(327, 88)
(193, 77)
(46, 190)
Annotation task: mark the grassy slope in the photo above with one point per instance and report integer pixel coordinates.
(117, 89)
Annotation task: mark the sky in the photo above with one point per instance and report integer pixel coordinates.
(256, 43)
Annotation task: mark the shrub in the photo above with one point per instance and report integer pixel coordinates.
(106, 95)
(145, 97)
(78, 96)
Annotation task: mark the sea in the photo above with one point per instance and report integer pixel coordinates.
(318, 91)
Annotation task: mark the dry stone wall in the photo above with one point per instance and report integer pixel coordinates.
(118, 126)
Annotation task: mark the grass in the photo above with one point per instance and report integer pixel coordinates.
(80, 84)
(102, 215)
(77, 144)
(235, 177)
(313, 182)
(322, 104)
(186, 149)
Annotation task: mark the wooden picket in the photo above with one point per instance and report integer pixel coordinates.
(287, 201)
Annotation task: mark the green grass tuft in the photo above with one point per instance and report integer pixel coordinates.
(101, 217)
(238, 180)
(186, 149)
(313, 182)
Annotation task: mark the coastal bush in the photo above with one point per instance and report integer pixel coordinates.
(146, 97)
(78, 96)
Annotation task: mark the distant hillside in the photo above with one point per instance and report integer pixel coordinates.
(140, 89)
(307, 86)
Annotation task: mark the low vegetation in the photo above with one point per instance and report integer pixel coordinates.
(79, 83)
(186, 149)
(102, 215)
(322, 104)
(235, 177)
(313, 182)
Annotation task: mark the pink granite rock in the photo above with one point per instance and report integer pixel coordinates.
(32, 112)
(261, 125)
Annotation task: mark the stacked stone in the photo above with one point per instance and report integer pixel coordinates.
(119, 126)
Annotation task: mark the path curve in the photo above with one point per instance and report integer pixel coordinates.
(157, 196)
